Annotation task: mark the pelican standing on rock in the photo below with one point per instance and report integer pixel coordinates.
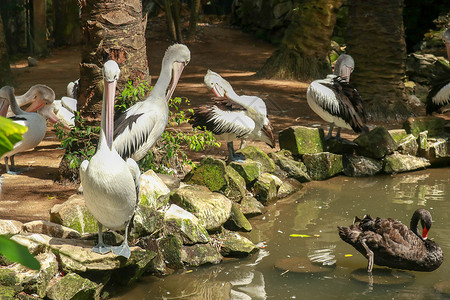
(34, 121)
(336, 101)
(438, 98)
(139, 127)
(233, 116)
(110, 184)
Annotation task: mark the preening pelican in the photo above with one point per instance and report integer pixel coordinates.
(37, 96)
(438, 99)
(336, 101)
(139, 127)
(36, 123)
(110, 184)
(233, 116)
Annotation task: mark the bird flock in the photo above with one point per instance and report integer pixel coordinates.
(110, 179)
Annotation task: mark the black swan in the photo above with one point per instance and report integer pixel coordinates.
(388, 242)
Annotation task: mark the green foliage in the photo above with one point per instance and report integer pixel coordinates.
(131, 94)
(10, 133)
(18, 253)
(80, 142)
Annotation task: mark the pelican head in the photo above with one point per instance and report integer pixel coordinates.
(177, 57)
(4, 99)
(219, 86)
(446, 38)
(40, 95)
(344, 66)
(111, 74)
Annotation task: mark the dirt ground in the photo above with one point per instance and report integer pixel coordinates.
(227, 51)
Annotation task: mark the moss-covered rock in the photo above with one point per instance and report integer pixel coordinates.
(251, 207)
(249, 170)
(323, 165)
(130, 272)
(359, 166)
(178, 221)
(72, 286)
(396, 163)
(376, 144)
(36, 282)
(302, 140)
(8, 292)
(340, 146)
(286, 189)
(437, 151)
(170, 181)
(74, 214)
(210, 173)
(200, 254)
(146, 221)
(233, 244)
(408, 145)
(398, 134)
(256, 154)
(434, 125)
(51, 229)
(152, 187)
(212, 209)
(237, 220)
(294, 169)
(423, 141)
(265, 188)
(170, 246)
(236, 185)
(10, 227)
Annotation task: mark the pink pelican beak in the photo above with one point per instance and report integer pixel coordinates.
(38, 103)
(54, 119)
(346, 71)
(217, 91)
(177, 70)
(110, 91)
(4, 104)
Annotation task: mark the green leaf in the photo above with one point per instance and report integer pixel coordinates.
(18, 253)
(299, 235)
(10, 133)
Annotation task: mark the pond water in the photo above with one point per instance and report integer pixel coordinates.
(317, 210)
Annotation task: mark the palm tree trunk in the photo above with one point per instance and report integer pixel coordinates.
(5, 70)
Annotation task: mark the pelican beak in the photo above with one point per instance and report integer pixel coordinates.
(346, 71)
(218, 91)
(3, 107)
(177, 70)
(54, 119)
(447, 45)
(37, 104)
(110, 90)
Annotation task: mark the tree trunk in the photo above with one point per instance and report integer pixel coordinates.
(193, 19)
(172, 9)
(112, 29)
(375, 39)
(67, 22)
(5, 70)
(302, 54)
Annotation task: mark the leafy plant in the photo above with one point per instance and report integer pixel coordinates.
(131, 94)
(10, 133)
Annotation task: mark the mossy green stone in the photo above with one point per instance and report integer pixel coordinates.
(396, 163)
(235, 245)
(302, 140)
(210, 173)
(72, 286)
(408, 145)
(434, 125)
(398, 134)
(171, 249)
(237, 220)
(236, 185)
(323, 165)
(423, 140)
(376, 144)
(265, 188)
(8, 292)
(256, 154)
(7, 277)
(200, 254)
(249, 170)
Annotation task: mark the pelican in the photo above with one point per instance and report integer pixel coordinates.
(336, 101)
(110, 184)
(38, 95)
(35, 122)
(438, 98)
(139, 127)
(233, 116)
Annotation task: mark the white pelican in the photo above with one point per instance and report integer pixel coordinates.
(139, 127)
(438, 98)
(110, 184)
(336, 101)
(38, 95)
(36, 123)
(233, 116)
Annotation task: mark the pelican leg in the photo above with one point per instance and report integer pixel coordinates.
(243, 142)
(338, 134)
(330, 131)
(101, 247)
(237, 157)
(369, 256)
(12, 170)
(123, 249)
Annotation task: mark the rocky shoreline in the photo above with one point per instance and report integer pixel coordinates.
(198, 221)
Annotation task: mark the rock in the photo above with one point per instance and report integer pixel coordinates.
(200, 254)
(212, 209)
(398, 134)
(237, 220)
(437, 151)
(152, 187)
(396, 163)
(233, 244)
(423, 141)
(72, 286)
(8, 292)
(408, 145)
(265, 188)
(74, 214)
(359, 166)
(157, 264)
(130, 272)
(36, 282)
(434, 125)
(236, 185)
(294, 169)
(10, 226)
(420, 68)
(285, 190)
(251, 207)
(249, 170)
(51, 229)
(376, 144)
(340, 146)
(170, 246)
(170, 181)
(210, 173)
(178, 221)
(281, 9)
(32, 62)
(302, 140)
(256, 154)
(323, 165)
(146, 221)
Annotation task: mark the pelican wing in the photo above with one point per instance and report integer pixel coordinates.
(136, 173)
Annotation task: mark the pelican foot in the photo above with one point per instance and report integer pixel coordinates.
(16, 172)
(122, 250)
(101, 248)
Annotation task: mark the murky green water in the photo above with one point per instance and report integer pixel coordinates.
(317, 211)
